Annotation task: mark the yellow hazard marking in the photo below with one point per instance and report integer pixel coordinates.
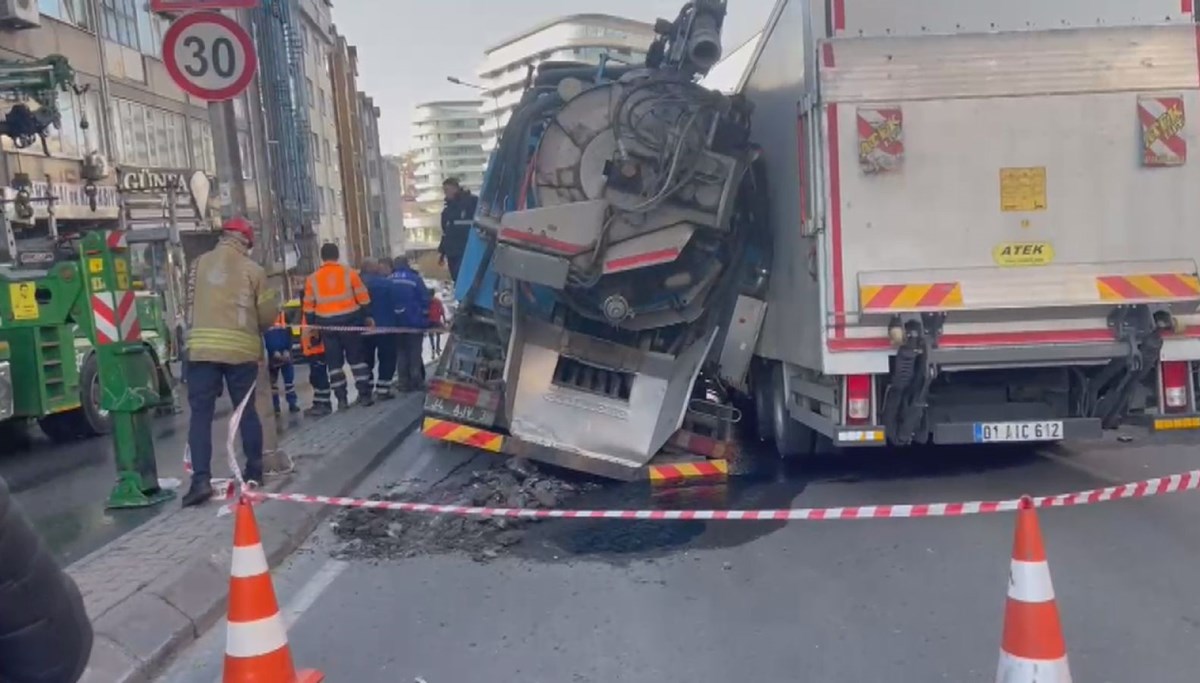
(1015, 254)
(95, 266)
(1169, 424)
(97, 284)
(689, 470)
(24, 300)
(122, 281)
(445, 430)
(1169, 124)
(1023, 189)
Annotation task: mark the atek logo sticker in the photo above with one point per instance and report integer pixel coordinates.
(1015, 254)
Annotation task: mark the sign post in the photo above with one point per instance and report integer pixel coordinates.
(209, 55)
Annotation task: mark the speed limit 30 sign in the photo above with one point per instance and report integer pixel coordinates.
(209, 56)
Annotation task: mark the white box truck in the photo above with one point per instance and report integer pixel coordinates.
(985, 220)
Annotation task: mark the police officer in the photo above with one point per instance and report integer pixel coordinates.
(335, 296)
(318, 374)
(230, 306)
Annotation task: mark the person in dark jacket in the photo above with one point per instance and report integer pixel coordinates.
(412, 311)
(381, 344)
(457, 218)
(45, 635)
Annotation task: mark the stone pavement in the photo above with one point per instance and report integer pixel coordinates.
(157, 588)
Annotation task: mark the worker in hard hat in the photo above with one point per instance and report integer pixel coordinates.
(230, 306)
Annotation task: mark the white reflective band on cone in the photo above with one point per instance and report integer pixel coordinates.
(1030, 582)
(255, 638)
(248, 561)
(1020, 670)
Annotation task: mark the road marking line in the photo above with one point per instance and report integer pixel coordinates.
(303, 600)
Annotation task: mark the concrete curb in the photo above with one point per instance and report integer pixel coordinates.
(136, 638)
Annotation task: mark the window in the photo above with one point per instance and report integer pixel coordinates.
(246, 152)
(308, 89)
(316, 148)
(327, 154)
(320, 199)
(147, 136)
(304, 38)
(120, 23)
(321, 101)
(150, 29)
(71, 11)
(334, 205)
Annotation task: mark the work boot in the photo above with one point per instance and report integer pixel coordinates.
(365, 401)
(293, 407)
(319, 410)
(253, 474)
(199, 492)
(385, 395)
(343, 401)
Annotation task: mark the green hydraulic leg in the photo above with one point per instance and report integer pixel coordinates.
(128, 381)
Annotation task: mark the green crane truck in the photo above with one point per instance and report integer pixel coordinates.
(48, 371)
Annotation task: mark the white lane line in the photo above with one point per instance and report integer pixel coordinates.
(304, 599)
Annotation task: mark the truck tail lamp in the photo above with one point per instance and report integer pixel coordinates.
(858, 399)
(1175, 378)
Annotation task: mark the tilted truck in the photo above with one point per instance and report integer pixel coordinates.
(979, 228)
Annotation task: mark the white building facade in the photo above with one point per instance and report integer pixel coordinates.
(584, 38)
(447, 143)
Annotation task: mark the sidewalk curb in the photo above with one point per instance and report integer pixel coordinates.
(134, 639)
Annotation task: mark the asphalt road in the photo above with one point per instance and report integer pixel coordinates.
(842, 601)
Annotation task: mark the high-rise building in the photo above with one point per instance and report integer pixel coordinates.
(351, 149)
(400, 198)
(372, 161)
(585, 38)
(447, 143)
(318, 40)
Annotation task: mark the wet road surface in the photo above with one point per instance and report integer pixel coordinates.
(837, 601)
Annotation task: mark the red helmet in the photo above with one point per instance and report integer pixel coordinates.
(241, 226)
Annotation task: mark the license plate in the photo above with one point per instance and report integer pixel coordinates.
(1001, 432)
(458, 411)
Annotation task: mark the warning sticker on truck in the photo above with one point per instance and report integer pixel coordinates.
(880, 139)
(24, 300)
(1016, 254)
(1162, 120)
(1023, 189)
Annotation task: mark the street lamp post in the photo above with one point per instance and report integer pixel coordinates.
(476, 86)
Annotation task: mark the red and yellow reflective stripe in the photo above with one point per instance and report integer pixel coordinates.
(1148, 287)
(911, 297)
(663, 474)
(468, 436)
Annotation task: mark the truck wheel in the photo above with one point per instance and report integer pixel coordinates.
(763, 402)
(95, 421)
(792, 439)
(63, 427)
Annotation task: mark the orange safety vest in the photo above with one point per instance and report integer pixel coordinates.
(334, 290)
(311, 343)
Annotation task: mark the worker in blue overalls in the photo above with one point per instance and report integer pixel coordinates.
(278, 341)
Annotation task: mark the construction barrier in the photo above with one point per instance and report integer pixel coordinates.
(1157, 486)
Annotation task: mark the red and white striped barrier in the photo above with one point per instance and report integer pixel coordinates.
(1157, 486)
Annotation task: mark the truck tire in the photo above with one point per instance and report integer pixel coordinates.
(792, 439)
(94, 420)
(763, 402)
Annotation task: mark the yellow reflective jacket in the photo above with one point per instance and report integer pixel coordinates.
(230, 306)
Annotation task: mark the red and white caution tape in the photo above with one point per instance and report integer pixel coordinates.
(1157, 486)
(364, 328)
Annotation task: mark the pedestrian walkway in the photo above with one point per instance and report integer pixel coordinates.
(155, 588)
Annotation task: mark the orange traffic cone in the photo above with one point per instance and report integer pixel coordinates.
(256, 645)
(1033, 649)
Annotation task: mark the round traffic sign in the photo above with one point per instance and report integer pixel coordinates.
(209, 56)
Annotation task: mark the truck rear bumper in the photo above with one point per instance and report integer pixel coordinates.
(657, 472)
(964, 432)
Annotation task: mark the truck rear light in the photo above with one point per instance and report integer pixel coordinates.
(858, 399)
(1175, 376)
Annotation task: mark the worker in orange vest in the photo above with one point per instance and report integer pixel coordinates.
(335, 297)
(313, 349)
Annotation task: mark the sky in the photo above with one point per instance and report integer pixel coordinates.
(407, 48)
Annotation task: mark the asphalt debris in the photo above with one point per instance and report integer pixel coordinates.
(516, 483)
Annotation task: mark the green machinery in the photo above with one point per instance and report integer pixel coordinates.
(73, 355)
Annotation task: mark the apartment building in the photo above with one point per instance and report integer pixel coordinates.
(319, 43)
(377, 218)
(447, 143)
(584, 38)
(400, 199)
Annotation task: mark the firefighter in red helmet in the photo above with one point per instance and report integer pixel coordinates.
(229, 308)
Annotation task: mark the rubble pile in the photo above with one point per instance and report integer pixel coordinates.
(387, 534)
